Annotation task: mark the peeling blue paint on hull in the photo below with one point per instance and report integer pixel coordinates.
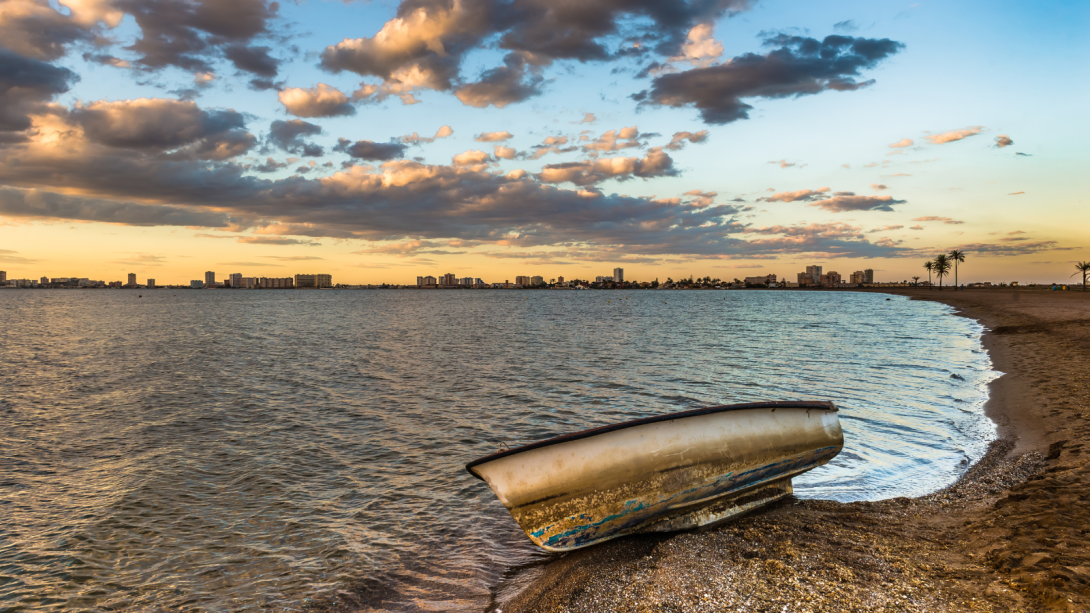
(667, 473)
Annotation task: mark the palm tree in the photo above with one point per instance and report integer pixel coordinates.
(1084, 268)
(956, 256)
(929, 266)
(941, 266)
(915, 281)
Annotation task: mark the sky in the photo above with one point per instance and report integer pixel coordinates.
(379, 141)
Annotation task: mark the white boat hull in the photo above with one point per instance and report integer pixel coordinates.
(664, 473)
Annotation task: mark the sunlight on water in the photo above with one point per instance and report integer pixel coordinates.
(223, 450)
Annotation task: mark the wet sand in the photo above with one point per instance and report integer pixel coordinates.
(1013, 534)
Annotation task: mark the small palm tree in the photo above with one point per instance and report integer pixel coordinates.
(941, 266)
(929, 266)
(915, 281)
(955, 257)
(1084, 268)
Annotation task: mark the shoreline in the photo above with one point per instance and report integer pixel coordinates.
(1011, 534)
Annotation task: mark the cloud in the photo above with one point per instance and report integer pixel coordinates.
(35, 30)
(165, 125)
(848, 25)
(367, 150)
(656, 163)
(885, 229)
(287, 135)
(471, 158)
(946, 220)
(505, 153)
(588, 118)
(142, 259)
(799, 66)
(1003, 141)
(953, 135)
(613, 140)
(491, 137)
(1015, 193)
(700, 47)
(916, 227)
(318, 101)
(275, 240)
(270, 165)
(785, 164)
(11, 257)
(1023, 154)
(680, 138)
(34, 203)
(425, 43)
(26, 85)
(803, 195)
(847, 201)
(416, 139)
(1011, 249)
(878, 186)
(904, 142)
(514, 82)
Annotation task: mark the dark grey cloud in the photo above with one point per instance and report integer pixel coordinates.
(367, 150)
(799, 66)
(25, 86)
(537, 32)
(42, 204)
(164, 125)
(501, 86)
(189, 34)
(255, 60)
(848, 25)
(287, 135)
(270, 165)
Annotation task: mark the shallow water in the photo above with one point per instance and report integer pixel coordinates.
(233, 450)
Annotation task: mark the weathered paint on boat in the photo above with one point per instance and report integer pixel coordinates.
(663, 473)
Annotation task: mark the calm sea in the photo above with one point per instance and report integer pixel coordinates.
(234, 450)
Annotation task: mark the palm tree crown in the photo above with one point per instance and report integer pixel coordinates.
(941, 266)
(929, 266)
(1084, 268)
(956, 256)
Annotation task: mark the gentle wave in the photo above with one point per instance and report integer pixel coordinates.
(224, 450)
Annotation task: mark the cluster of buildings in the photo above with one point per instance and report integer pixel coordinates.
(814, 277)
(235, 280)
(450, 280)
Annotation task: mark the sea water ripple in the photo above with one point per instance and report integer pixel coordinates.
(237, 450)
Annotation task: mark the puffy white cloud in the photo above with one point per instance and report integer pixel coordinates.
(491, 137)
(319, 101)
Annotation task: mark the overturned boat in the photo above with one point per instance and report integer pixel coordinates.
(664, 473)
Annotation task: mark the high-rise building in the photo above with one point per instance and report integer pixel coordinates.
(3, 277)
(522, 280)
(868, 274)
(618, 275)
(560, 279)
(44, 281)
(858, 277)
(132, 278)
(236, 279)
(536, 281)
(210, 279)
(151, 283)
(447, 279)
(814, 272)
(196, 284)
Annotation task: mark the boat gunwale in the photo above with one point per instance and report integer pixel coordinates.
(824, 405)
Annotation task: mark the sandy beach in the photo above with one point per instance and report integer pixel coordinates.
(1013, 534)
